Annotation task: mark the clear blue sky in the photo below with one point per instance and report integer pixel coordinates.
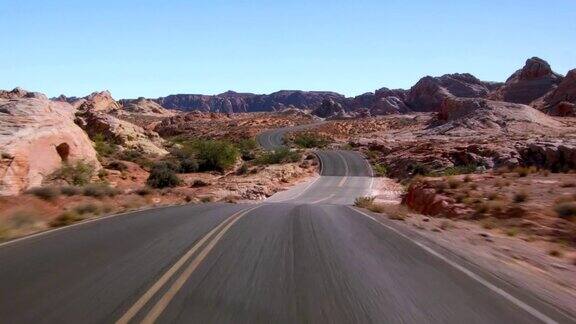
(156, 48)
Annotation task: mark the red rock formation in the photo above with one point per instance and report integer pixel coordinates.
(38, 135)
(535, 80)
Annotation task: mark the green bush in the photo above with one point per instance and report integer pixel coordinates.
(78, 173)
(188, 165)
(46, 193)
(419, 169)
(216, 155)
(103, 147)
(117, 165)
(247, 148)
(278, 156)
(135, 156)
(163, 175)
(310, 140)
(99, 190)
(380, 170)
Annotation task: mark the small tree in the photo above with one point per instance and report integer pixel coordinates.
(216, 155)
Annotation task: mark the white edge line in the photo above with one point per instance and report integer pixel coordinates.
(297, 195)
(87, 221)
(531, 310)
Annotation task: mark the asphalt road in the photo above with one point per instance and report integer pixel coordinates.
(304, 256)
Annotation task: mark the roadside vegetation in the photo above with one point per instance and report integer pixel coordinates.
(310, 140)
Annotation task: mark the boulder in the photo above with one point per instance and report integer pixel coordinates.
(563, 99)
(329, 109)
(36, 136)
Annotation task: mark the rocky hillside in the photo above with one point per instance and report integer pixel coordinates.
(233, 102)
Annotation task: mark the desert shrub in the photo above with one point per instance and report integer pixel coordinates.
(467, 178)
(566, 209)
(458, 169)
(247, 148)
(520, 197)
(419, 169)
(380, 170)
(66, 218)
(135, 156)
(568, 185)
(215, 155)
(493, 196)
(103, 147)
(99, 190)
(310, 140)
(243, 169)
(144, 191)
(278, 156)
(117, 165)
(453, 183)
(555, 253)
(188, 165)
(488, 223)
(513, 231)
(87, 208)
(163, 175)
(199, 183)
(524, 171)
(364, 201)
(70, 190)
(78, 173)
(47, 193)
(206, 199)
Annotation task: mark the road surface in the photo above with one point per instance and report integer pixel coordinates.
(303, 256)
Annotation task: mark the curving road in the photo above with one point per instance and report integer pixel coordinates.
(303, 256)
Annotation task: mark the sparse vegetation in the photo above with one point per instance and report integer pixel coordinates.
(566, 210)
(520, 197)
(457, 169)
(163, 175)
(278, 156)
(99, 190)
(87, 208)
(364, 201)
(66, 218)
(380, 170)
(103, 147)
(48, 193)
(310, 140)
(216, 155)
(70, 190)
(247, 148)
(79, 173)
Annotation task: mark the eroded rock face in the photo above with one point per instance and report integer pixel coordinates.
(144, 107)
(98, 101)
(563, 99)
(558, 156)
(36, 136)
(429, 93)
(121, 132)
(233, 102)
(329, 109)
(535, 80)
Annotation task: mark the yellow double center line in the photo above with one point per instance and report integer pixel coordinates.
(211, 239)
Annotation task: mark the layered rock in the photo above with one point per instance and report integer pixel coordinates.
(330, 109)
(429, 93)
(37, 136)
(382, 102)
(474, 115)
(532, 82)
(146, 107)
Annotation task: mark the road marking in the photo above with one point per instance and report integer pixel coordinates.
(84, 222)
(341, 183)
(140, 303)
(299, 194)
(319, 200)
(531, 310)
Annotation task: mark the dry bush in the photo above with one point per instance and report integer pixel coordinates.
(47, 193)
(453, 183)
(364, 201)
(520, 197)
(16, 222)
(87, 208)
(566, 210)
(66, 218)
